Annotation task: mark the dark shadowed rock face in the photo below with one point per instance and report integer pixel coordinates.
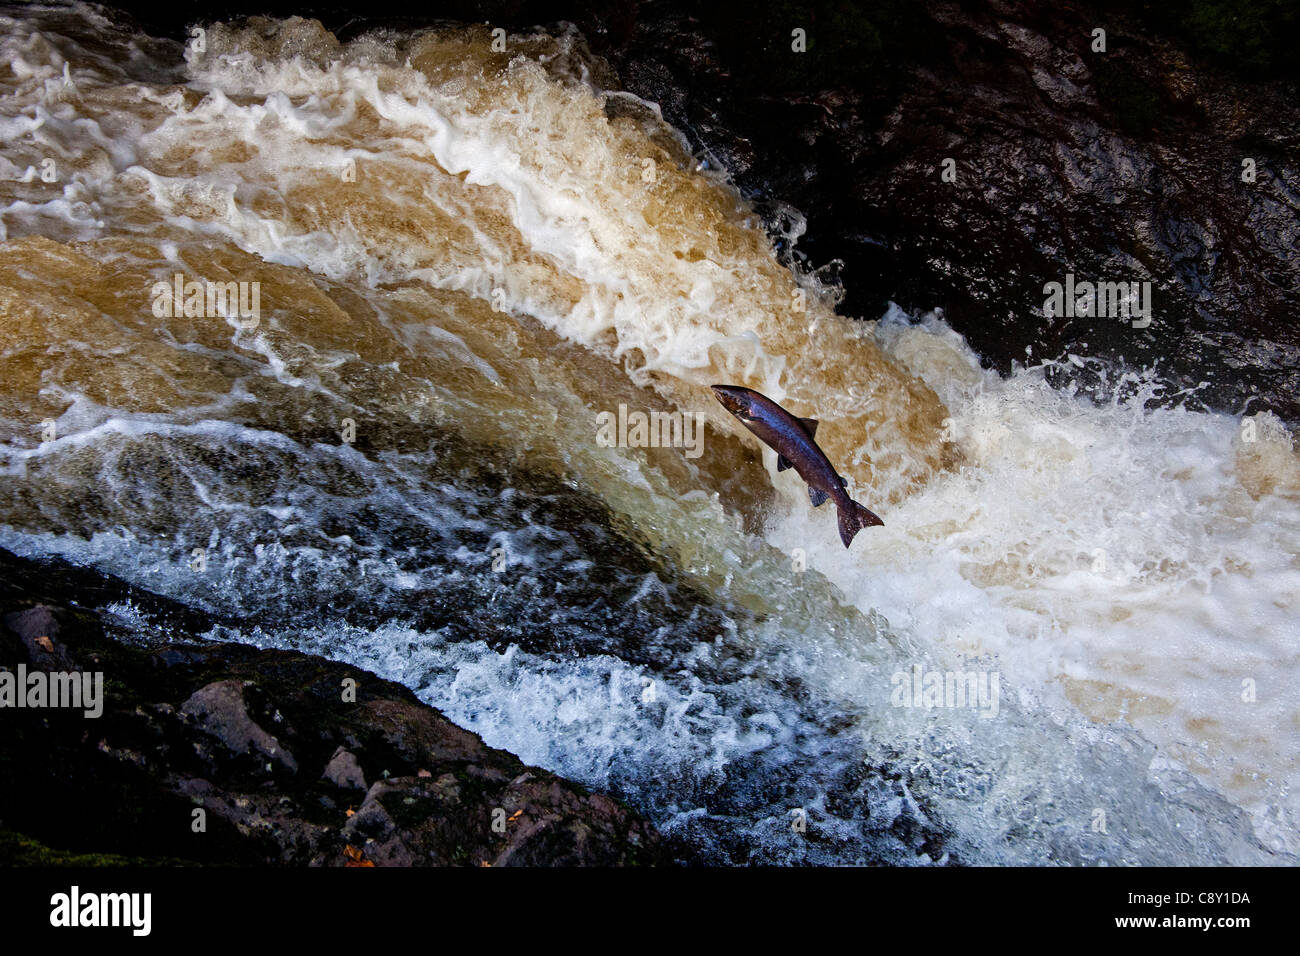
(266, 745)
(1117, 166)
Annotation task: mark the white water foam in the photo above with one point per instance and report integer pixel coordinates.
(1112, 560)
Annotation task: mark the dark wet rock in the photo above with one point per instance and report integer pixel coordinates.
(219, 709)
(1119, 166)
(533, 820)
(38, 629)
(265, 749)
(344, 771)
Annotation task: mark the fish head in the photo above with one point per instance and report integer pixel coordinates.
(734, 399)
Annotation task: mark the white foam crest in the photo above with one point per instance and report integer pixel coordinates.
(1107, 556)
(557, 198)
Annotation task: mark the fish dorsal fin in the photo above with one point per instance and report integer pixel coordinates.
(782, 463)
(810, 426)
(817, 496)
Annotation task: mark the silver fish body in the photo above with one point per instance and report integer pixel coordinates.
(794, 441)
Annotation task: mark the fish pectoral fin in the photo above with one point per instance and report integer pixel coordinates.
(818, 496)
(810, 426)
(844, 482)
(782, 463)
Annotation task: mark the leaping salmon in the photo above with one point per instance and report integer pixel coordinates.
(793, 439)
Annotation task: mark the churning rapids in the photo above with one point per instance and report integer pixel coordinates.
(466, 256)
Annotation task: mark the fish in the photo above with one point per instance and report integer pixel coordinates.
(794, 441)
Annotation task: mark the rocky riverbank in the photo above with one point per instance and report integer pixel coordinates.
(212, 753)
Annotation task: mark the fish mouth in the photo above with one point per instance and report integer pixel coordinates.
(728, 397)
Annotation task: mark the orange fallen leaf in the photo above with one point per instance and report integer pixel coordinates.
(423, 773)
(355, 857)
(350, 812)
(484, 863)
(46, 643)
(515, 816)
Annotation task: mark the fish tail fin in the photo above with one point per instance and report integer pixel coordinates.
(853, 519)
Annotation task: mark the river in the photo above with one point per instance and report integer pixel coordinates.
(464, 250)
